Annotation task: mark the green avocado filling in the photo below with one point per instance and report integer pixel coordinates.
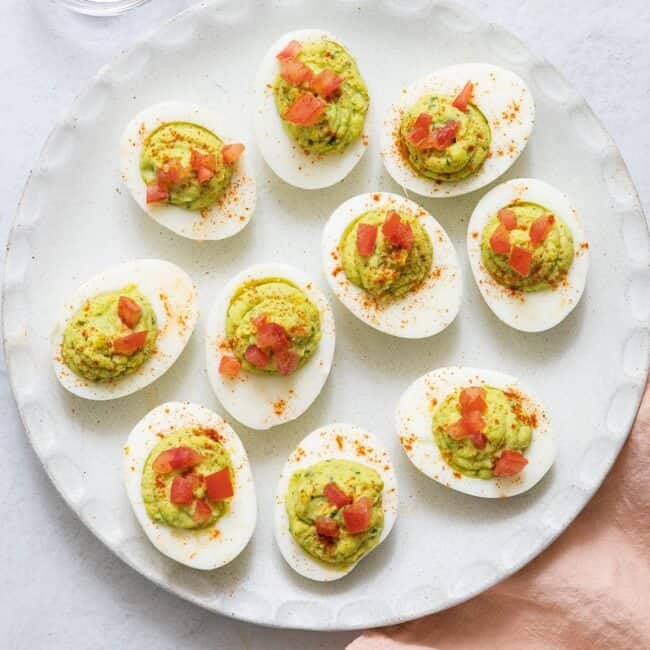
(278, 301)
(507, 426)
(305, 501)
(551, 259)
(175, 141)
(464, 156)
(390, 271)
(156, 488)
(343, 119)
(88, 338)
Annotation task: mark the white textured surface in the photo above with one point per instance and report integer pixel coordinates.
(180, 59)
(85, 597)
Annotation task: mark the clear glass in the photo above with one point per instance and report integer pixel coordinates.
(102, 7)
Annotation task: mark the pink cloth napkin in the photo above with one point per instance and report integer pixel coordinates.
(590, 589)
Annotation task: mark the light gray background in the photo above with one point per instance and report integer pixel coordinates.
(59, 586)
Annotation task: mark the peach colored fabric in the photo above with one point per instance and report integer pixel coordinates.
(590, 589)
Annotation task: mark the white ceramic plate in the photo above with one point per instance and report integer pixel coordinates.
(588, 371)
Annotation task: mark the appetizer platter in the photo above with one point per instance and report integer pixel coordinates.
(293, 320)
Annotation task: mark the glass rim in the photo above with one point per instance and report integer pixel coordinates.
(101, 7)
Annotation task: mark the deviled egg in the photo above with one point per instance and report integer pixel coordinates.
(311, 109)
(476, 431)
(528, 253)
(457, 129)
(269, 344)
(188, 170)
(123, 329)
(190, 485)
(335, 502)
(392, 265)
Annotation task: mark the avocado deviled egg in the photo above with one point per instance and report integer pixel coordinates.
(336, 501)
(457, 129)
(187, 171)
(529, 254)
(190, 485)
(123, 329)
(311, 109)
(269, 344)
(392, 265)
(476, 431)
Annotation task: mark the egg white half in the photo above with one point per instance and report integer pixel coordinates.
(333, 441)
(265, 401)
(205, 548)
(174, 300)
(420, 313)
(534, 311)
(223, 219)
(501, 96)
(414, 427)
(281, 153)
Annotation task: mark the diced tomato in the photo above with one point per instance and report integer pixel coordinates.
(472, 399)
(459, 430)
(327, 527)
(366, 239)
(500, 240)
(508, 218)
(219, 485)
(305, 110)
(232, 152)
(270, 335)
(171, 173)
(229, 366)
(130, 343)
(295, 72)
(290, 51)
(257, 357)
(326, 83)
(390, 228)
(520, 259)
(423, 121)
(129, 311)
(464, 97)
(473, 422)
(357, 515)
(405, 235)
(176, 458)
(540, 228)
(420, 130)
(336, 496)
(286, 361)
(202, 512)
(440, 138)
(479, 440)
(468, 425)
(397, 231)
(182, 492)
(199, 160)
(155, 194)
(203, 174)
(509, 463)
(443, 136)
